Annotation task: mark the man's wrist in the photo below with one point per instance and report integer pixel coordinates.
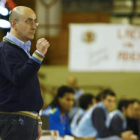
(37, 57)
(40, 53)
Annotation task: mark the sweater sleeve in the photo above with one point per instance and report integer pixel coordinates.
(116, 125)
(14, 70)
(98, 120)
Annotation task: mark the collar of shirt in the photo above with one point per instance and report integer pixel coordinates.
(101, 105)
(81, 111)
(25, 46)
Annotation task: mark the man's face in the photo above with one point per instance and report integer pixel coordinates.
(25, 26)
(130, 111)
(67, 101)
(72, 82)
(136, 107)
(109, 103)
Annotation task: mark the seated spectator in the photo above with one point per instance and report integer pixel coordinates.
(72, 83)
(136, 106)
(58, 109)
(133, 119)
(93, 123)
(117, 120)
(86, 101)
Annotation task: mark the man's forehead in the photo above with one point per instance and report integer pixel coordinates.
(27, 14)
(33, 17)
(130, 105)
(69, 94)
(111, 97)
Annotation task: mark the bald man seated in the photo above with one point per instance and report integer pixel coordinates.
(20, 95)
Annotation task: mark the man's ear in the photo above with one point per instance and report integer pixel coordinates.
(14, 24)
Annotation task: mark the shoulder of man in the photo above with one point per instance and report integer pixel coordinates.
(98, 109)
(4, 46)
(98, 112)
(54, 111)
(116, 117)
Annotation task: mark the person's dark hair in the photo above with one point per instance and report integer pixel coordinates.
(107, 92)
(85, 100)
(61, 93)
(135, 100)
(124, 103)
(99, 97)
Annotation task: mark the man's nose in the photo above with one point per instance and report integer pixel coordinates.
(34, 26)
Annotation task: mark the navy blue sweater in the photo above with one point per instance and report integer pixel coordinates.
(19, 85)
(99, 121)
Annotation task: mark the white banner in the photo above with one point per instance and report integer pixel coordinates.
(104, 47)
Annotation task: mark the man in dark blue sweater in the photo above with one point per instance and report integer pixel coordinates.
(20, 96)
(117, 120)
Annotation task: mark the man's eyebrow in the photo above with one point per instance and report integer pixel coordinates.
(31, 19)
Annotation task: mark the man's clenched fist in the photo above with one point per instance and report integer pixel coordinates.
(42, 45)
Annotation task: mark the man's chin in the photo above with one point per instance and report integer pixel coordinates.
(31, 37)
(110, 110)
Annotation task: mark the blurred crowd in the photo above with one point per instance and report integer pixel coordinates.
(103, 117)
